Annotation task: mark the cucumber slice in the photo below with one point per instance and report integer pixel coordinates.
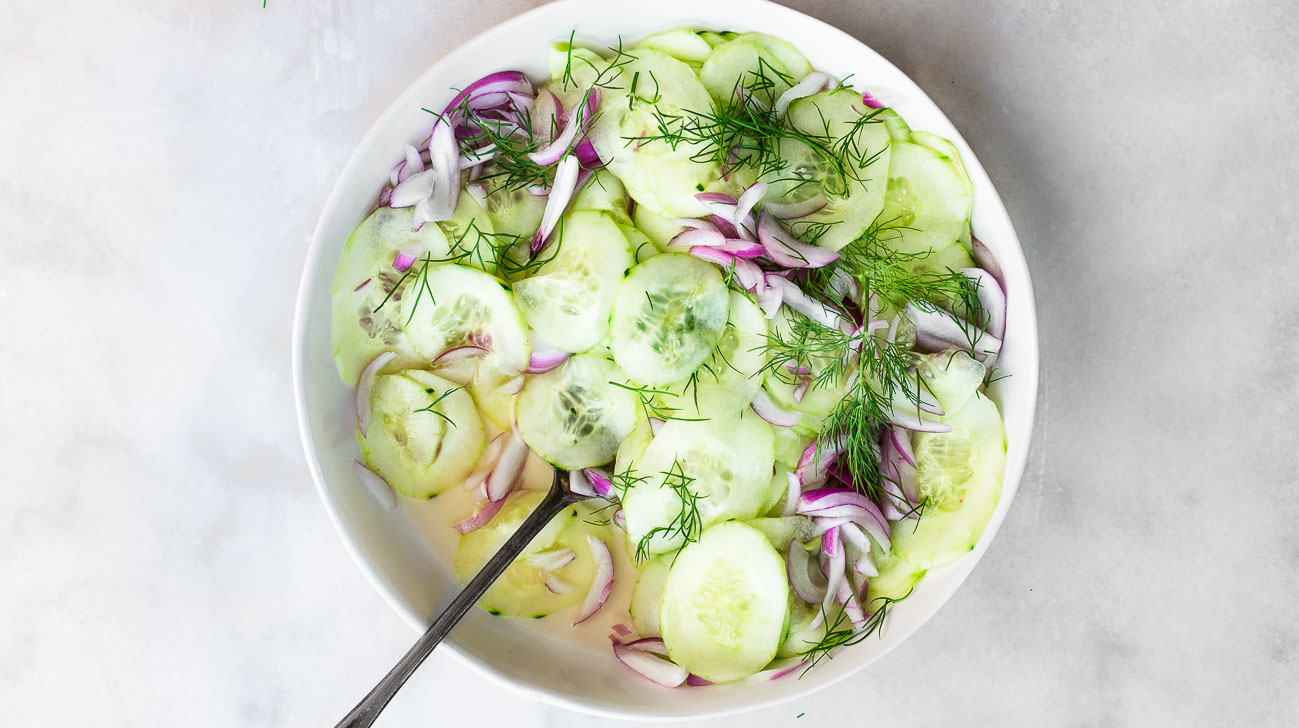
(854, 199)
(952, 376)
(521, 591)
(657, 228)
(732, 375)
(897, 576)
(660, 176)
(683, 45)
(725, 603)
(573, 69)
(604, 193)
(778, 489)
(647, 596)
(424, 433)
(569, 300)
(668, 315)
(928, 202)
(959, 474)
(449, 306)
(513, 211)
(790, 445)
(642, 247)
(572, 416)
(722, 466)
(780, 531)
(801, 635)
(765, 65)
(946, 148)
(494, 394)
(633, 447)
(471, 234)
(366, 308)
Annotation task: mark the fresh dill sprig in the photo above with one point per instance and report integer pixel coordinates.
(688, 523)
(652, 407)
(430, 408)
(838, 634)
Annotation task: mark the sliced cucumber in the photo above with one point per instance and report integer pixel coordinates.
(659, 229)
(658, 175)
(642, 247)
(952, 376)
(573, 70)
(732, 375)
(572, 416)
(647, 596)
(801, 635)
(424, 433)
(513, 211)
(928, 202)
(854, 186)
(762, 64)
(695, 474)
(897, 576)
(778, 489)
(959, 474)
(569, 299)
(366, 318)
(790, 445)
(494, 393)
(683, 45)
(471, 234)
(604, 193)
(667, 316)
(449, 306)
(725, 603)
(946, 148)
(780, 531)
(633, 447)
(522, 591)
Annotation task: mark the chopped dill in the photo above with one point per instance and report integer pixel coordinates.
(430, 408)
(838, 634)
(687, 523)
(653, 408)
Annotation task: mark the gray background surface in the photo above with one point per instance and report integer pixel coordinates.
(164, 559)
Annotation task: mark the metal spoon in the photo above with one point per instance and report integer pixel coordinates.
(556, 500)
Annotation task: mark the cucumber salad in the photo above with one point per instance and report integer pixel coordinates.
(736, 299)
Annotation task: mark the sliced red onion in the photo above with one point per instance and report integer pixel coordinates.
(364, 283)
(724, 226)
(746, 249)
(800, 390)
(785, 250)
(695, 223)
(650, 666)
(364, 385)
(538, 191)
(555, 585)
(656, 424)
(902, 443)
(561, 192)
(698, 237)
(586, 155)
(600, 481)
(544, 359)
(794, 210)
(821, 525)
(987, 261)
(559, 147)
(793, 490)
(992, 299)
(779, 669)
(445, 155)
(806, 580)
(793, 296)
(871, 101)
(937, 330)
(487, 463)
(767, 409)
(772, 298)
(718, 198)
(856, 537)
(851, 608)
(551, 560)
(506, 474)
(812, 83)
(477, 191)
(414, 164)
(846, 503)
(403, 261)
(385, 197)
(481, 93)
(485, 513)
(744, 206)
(377, 486)
(695, 681)
(413, 190)
(812, 465)
(475, 157)
(459, 352)
(833, 562)
(578, 484)
(908, 420)
(747, 273)
(621, 629)
(602, 584)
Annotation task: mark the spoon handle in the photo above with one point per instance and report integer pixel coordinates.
(365, 712)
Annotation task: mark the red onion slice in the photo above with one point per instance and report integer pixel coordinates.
(800, 390)
(793, 296)
(902, 444)
(698, 237)
(561, 193)
(772, 298)
(767, 409)
(487, 463)
(695, 681)
(555, 585)
(908, 420)
(413, 189)
(545, 360)
(578, 484)
(784, 249)
(403, 261)
(414, 163)
(560, 146)
(485, 513)
(365, 384)
(937, 330)
(856, 537)
(458, 353)
(551, 560)
(806, 580)
(793, 490)
(476, 157)
(794, 210)
(779, 669)
(744, 206)
(812, 465)
(833, 563)
(650, 666)
(506, 474)
(812, 83)
(656, 424)
(992, 299)
(621, 629)
(377, 486)
(600, 481)
(444, 153)
(724, 226)
(603, 582)
(987, 261)
(695, 223)
(871, 101)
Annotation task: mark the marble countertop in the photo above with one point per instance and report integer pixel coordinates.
(164, 559)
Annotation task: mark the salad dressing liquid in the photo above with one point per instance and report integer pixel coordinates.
(435, 520)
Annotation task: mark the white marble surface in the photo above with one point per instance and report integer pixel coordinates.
(164, 559)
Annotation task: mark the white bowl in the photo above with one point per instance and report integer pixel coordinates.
(385, 544)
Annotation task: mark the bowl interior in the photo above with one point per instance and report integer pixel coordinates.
(385, 543)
